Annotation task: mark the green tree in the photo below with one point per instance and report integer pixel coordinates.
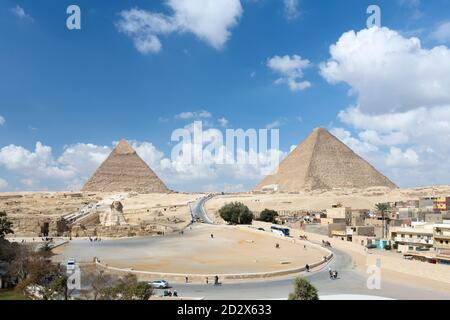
(303, 290)
(383, 209)
(46, 250)
(268, 215)
(58, 286)
(127, 288)
(5, 225)
(236, 213)
(101, 282)
(246, 217)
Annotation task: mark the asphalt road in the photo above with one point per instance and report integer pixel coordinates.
(198, 210)
(350, 282)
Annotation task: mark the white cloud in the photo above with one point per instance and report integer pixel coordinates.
(148, 152)
(2, 120)
(398, 158)
(422, 125)
(224, 187)
(375, 138)
(42, 170)
(291, 9)
(376, 60)
(362, 148)
(76, 162)
(83, 158)
(276, 124)
(3, 184)
(290, 68)
(209, 20)
(37, 163)
(19, 12)
(223, 122)
(27, 182)
(190, 115)
(442, 32)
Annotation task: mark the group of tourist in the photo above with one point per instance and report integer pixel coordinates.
(169, 293)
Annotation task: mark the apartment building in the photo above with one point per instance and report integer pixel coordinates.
(418, 237)
(441, 204)
(441, 234)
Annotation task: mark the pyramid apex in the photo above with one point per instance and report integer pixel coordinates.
(123, 147)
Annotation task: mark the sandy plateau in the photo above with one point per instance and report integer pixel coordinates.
(321, 200)
(232, 250)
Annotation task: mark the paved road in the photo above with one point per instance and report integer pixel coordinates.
(198, 209)
(350, 282)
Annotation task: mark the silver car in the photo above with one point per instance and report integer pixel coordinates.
(160, 284)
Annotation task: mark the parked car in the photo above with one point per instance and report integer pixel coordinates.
(71, 264)
(160, 284)
(261, 229)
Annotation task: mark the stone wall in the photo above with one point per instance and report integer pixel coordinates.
(118, 231)
(39, 226)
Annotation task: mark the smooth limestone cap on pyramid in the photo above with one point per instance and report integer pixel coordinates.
(323, 162)
(125, 171)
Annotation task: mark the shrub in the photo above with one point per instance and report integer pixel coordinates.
(303, 290)
(236, 213)
(268, 216)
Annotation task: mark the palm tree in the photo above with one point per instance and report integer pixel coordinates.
(383, 208)
(303, 290)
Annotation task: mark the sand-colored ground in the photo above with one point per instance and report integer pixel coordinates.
(169, 208)
(296, 202)
(232, 250)
(45, 204)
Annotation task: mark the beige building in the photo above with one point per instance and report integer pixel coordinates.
(340, 213)
(328, 221)
(412, 238)
(441, 234)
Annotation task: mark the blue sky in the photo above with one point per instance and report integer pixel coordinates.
(78, 91)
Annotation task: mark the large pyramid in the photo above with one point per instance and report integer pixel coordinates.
(125, 171)
(324, 162)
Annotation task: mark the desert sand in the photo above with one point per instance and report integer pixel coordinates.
(321, 200)
(232, 250)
